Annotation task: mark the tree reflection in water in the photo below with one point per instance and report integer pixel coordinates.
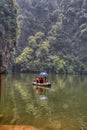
(63, 106)
(0, 84)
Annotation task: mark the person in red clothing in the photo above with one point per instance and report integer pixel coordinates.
(38, 79)
(41, 80)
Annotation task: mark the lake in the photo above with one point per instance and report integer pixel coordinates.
(61, 107)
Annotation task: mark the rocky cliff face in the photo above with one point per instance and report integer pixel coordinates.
(64, 20)
(7, 32)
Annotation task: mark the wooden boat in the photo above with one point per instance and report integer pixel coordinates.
(48, 84)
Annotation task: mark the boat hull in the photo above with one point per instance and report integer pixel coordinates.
(42, 84)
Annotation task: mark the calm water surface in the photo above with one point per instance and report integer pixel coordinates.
(61, 107)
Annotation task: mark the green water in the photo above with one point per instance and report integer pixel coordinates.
(61, 107)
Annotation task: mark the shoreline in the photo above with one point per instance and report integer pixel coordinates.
(17, 127)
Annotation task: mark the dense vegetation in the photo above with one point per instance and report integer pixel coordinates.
(51, 35)
(7, 34)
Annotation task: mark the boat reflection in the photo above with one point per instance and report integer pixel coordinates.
(41, 91)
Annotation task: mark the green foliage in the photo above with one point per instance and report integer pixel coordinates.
(71, 12)
(45, 46)
(19, 26)
(83, 34)
(8, 26)
(39, 35)
(83, 26)
(55, 32)
(8, 20)
(58, 64)
(16, 5)
(56, 28)
(32, 40)
(25, 54)
(74, 65)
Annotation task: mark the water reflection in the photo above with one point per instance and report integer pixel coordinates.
(41, 91)
(63, 106)
(0, 84)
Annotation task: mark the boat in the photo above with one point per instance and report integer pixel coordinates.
(42, 80)
(47, 84)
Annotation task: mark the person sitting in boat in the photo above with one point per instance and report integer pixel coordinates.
(45, 80)
(41, 80)
(38, 79)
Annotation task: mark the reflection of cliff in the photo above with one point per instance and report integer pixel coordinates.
(0, 85)
(26, 103)
(8, 27)
(59, 82)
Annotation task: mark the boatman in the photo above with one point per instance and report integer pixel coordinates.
(45, 79)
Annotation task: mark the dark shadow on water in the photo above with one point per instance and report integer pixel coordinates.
(0, 84)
